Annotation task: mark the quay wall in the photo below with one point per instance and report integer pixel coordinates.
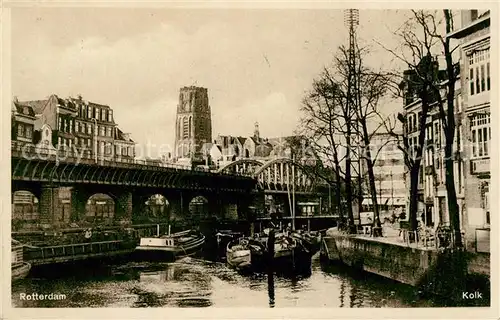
(440, 272)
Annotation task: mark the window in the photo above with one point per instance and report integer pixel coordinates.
(20, 130)
(102, 131)
(479, 71)
(77, 126)
(437, 134)
(185, 133)
(481, 135)
(111, 115)
(60, 124)
(29, 131)
(89, 112)
(108, 148)
(428, 133)
(108, 132)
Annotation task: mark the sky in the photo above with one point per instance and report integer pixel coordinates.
(256, 63)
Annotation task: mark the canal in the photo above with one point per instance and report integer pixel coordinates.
(192, 282)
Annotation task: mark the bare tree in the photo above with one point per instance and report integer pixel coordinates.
(321, 122)
(421, 38)
(371, 87)
(338, 116)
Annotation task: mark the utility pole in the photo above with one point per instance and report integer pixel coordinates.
(351, 18)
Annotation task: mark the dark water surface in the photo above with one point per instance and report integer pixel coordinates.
(191, 282)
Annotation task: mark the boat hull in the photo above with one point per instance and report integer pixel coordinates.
(168, 252)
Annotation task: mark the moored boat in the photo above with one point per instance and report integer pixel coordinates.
(311, 240)
(20, 269)
(253, 253)
(172, 246)
(245, 254)
(223, 238)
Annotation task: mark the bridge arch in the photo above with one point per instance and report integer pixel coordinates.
(156, 206)
(243, 166)
(100, 207)
(199, 207)
(25, 208)
(282, 174)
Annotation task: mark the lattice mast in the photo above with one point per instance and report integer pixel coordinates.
(351, 19)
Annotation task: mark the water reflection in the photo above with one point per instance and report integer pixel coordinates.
(270, 288)
(197, 283)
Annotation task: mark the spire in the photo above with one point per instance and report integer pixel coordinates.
(256, 131)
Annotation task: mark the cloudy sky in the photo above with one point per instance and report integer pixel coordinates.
(256, 63)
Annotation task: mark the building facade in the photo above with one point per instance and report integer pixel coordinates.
(472, 142)
(432, 209)
(23, 122)
(193, 126)
(389, 172)
(81, 126)
(475, 117)
(226, 149)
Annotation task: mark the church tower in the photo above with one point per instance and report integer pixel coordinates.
(193, 126)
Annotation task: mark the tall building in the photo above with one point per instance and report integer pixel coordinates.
(474, 118)
(389, 172)
(193, 127)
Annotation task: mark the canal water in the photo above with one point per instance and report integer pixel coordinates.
(192, 282)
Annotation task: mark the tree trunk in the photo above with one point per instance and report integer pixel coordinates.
(377, 231)
(453, 211)
(452, 199)
(348, 183)
(412, 214)
(338, 192)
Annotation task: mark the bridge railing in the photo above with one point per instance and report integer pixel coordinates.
(31, 151)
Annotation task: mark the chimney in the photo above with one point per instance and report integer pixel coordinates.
(79, 96)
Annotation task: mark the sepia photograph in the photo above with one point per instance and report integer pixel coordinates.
(219, 157)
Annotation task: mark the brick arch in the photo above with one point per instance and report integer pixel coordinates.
(102, 208)
(198, 206)
(25, 207)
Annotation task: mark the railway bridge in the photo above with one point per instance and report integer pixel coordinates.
(63, 186)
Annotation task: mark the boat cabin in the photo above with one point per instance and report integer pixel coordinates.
(157, 242)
